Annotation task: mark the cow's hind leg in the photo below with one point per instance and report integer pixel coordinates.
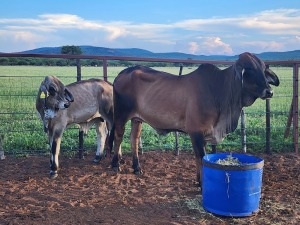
(108, 147)
(199, 150)
(136, 129)
(101, 138)
(119, 130)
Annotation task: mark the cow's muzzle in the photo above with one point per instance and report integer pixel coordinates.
(63, 105)
(267, 93)
(66, 105)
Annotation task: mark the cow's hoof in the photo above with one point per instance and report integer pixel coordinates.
(53, 174)
(116, 169)
(138, 172)
(97, 159)
(80, 156)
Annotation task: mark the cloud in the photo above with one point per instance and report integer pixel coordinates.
(27, 36)
(164, 42)
(55, 22)
(264, 45)
(216, 46)
(287, 43)
(115, 32)
(209, 46)
(21, 36)
(68, 21)
(262, 30)
(13, 41)
(193, 47)
(279, 22)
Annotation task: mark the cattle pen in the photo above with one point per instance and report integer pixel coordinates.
(270, 125)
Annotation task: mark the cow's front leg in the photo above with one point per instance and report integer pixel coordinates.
(136, 129)
(101, 138)
(55, 149)
(199, 150)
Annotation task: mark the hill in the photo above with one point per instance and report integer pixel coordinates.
(136, 52)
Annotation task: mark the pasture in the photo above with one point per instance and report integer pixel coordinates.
(24, 133)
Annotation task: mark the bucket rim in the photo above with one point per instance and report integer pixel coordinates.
(231, 214)
(247, 166)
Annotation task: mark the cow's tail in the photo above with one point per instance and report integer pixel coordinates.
(110, 143)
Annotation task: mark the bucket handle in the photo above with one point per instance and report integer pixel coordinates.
(227, 181)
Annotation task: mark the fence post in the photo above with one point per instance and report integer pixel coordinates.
(289, 120)
(176, 133)
(243, 131)
(78, 65)
(295, 107)
(105, 69)
(268, 126)
(80, 135)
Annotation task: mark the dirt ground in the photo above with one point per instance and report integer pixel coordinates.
(87, 193)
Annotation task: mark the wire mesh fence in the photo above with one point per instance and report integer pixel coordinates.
(23, 131)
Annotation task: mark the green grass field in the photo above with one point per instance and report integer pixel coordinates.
(24, 133)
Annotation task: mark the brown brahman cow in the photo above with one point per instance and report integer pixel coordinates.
(205, 104)
(85, 103)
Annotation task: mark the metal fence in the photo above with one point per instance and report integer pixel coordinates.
(271, 125)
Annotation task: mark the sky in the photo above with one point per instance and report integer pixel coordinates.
(201, 27)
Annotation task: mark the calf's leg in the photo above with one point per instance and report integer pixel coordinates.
(136, 130)
(101, 139)
(55, 141)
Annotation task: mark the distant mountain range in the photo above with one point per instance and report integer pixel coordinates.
(136, 52)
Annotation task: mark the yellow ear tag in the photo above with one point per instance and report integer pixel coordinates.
(42, 95)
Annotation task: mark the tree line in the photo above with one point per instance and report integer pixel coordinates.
(32, 61)
(73, 50)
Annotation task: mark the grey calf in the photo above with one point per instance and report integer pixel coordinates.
(84, 103)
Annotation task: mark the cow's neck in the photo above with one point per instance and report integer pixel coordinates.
(247, 99)
(231, 102)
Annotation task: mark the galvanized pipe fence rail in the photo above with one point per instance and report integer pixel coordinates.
(292, 113)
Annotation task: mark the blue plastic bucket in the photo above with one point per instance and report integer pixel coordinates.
(232, 190)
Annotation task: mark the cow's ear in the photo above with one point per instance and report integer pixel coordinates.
(245, 61)
(239, 70)
(68, 95)
(43, 92)
(271, 77)
(43, 88)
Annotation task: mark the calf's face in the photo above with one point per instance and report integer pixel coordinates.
(54, 94)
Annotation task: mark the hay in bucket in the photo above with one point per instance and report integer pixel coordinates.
(229, 161)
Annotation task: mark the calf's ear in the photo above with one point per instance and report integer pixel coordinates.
(271, 77)
(68, 95)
